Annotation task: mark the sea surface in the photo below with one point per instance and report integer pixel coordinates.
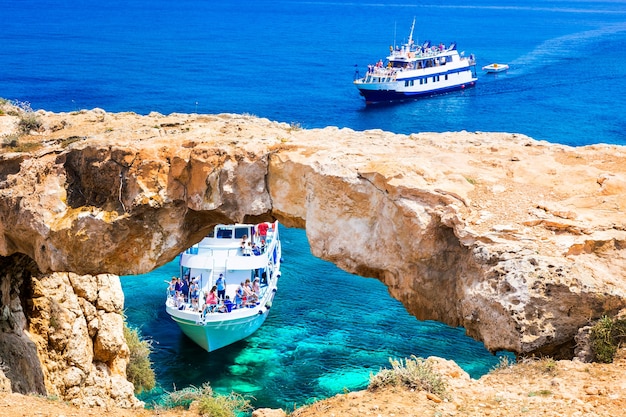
(294, 61)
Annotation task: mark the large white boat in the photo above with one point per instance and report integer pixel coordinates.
(237, 252)
(412, 71)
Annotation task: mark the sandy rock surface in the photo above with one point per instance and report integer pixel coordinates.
(521, 242)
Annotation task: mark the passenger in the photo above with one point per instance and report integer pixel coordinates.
(250, 294)
(185, 288)
(262, 245)
(256, 287)
(178, 287)
(240, 296)
(247, 249)
(194, 293)
(226, 306)
(211, 301)
(255, 250)
(171, 289)
(262, 230)
(180, 301)
(221, 287)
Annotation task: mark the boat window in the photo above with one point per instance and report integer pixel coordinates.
(224, 234)
(446, 76)
(240, 232)
(406, 83)
(412, 81)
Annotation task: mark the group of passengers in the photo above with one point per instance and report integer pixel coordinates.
(249, 248)
(184, 291)
(247, 295)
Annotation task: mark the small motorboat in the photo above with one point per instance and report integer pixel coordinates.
(495, 68)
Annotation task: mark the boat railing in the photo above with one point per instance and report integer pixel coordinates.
(418, 53)
(381, 75)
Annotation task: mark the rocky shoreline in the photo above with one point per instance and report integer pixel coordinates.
(518, 241)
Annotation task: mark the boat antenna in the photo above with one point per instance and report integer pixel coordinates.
(411, 35)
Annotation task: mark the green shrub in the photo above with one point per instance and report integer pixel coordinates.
(184, 397)
(606, 337)
(9, 141)
(139, 370)
(209, 404)
(414, 373)
(223, 406)
(29, 121)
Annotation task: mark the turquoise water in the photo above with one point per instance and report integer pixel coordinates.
(294, 61)
(326, 332)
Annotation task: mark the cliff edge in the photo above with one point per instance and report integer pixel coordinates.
(520, 242)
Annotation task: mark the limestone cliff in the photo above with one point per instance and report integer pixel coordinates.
(62, 335)
(521, 242)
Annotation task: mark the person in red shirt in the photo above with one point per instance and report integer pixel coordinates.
(262, 229)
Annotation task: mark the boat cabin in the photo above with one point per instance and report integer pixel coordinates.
(230, 231)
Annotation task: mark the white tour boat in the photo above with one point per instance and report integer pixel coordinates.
(213, 326)
(413, 71)
(492, 68)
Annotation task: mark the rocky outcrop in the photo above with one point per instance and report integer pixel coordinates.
(521, 242)
(62, 335)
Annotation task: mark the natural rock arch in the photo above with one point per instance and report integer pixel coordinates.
(520, 242)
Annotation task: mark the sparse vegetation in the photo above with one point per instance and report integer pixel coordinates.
(606, 337)
(139, 370)
(209, 403)
(68, 141)
(10, 141)
(549, 366)
(505, 362)
(295, 126)
(28, 121)
(414, 373)
(542, 392)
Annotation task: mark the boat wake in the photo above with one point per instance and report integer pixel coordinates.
(562, 48)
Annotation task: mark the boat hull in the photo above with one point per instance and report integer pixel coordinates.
(217, 334)
(381, 95)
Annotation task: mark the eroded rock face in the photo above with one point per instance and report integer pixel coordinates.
(520, 242)
(62, 335)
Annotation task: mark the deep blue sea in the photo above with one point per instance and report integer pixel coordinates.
(294, 61)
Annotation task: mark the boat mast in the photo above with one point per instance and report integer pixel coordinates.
(411, 34)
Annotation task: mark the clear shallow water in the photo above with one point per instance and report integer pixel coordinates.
(316, 342)
(294, 61)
